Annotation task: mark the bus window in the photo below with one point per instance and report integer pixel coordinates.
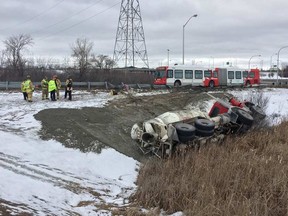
(207, 73)
(169, 73)
(188, 74)
(230, 74)
(178, 74)
(238, 75)
(198, 74)
(215, 74)
(251, 75)
(245, 74)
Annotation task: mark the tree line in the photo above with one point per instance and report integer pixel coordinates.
(15, 65)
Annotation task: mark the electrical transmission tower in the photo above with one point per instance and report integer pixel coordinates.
(130, 44)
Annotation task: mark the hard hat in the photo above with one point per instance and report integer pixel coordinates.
(28, 76)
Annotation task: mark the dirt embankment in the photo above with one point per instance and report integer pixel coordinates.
(92, 129)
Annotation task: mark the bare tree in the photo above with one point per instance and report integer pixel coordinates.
(66, 62)
(100, 61)
(46, 62)
(15, 45)
(81, 50)
(104, 61)
(109, 63)
(3, 58)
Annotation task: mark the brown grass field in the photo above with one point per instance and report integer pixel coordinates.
(245, 175)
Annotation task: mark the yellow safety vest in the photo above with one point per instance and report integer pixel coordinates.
(51, 85)
(28, 86)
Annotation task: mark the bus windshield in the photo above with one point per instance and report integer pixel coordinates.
(160, 74)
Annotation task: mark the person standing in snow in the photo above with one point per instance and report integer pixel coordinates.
(44, 86)
(29, 88)
(58, 86)
(68, 88)
(52, 88)
(24, 90)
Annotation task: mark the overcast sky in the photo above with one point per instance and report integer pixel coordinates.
(225, 30)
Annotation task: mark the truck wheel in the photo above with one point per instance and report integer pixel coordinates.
(204, 133)
(204, 124)
(257, 112)
(184, 129)
(249, 104)
(244, 117)
(185, 139)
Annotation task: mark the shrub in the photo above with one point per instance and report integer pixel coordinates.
(246, 175)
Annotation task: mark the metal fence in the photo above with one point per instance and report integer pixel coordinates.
(80, 85)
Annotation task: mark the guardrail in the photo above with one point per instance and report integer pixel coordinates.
(274, 82)
(8, 85)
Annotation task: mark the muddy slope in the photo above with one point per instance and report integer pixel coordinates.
(92, 129)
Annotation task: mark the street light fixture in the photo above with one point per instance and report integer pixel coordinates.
(195, 15)
(251, 58)
(278, 60)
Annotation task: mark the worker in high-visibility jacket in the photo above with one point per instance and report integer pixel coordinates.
(29, 88)
(44, 86)
(24, 90)
(52, 88)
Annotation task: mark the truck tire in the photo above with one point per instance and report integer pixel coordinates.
(257, 112)
(249, 104)
(244, 117)
(185, 139)
(204, 133)
(184, 129)
(204, 124)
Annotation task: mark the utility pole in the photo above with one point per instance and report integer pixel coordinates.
(130, 44)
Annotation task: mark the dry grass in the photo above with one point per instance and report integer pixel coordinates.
(246, 175)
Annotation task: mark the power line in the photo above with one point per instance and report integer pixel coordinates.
(67, 18)
(78, 23)
(34, 17)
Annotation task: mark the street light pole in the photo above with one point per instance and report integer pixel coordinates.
(168, 56)
(278, 60)
(271, 62)
(195, 15)
(250, 60)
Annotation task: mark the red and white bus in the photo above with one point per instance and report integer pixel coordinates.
(234, 76)
(181, 75)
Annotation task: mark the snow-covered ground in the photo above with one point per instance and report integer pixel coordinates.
(45, 178)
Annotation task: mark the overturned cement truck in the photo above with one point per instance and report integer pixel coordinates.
(173, 131)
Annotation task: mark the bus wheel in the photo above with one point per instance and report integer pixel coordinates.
(211, 84)
(177, 84)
